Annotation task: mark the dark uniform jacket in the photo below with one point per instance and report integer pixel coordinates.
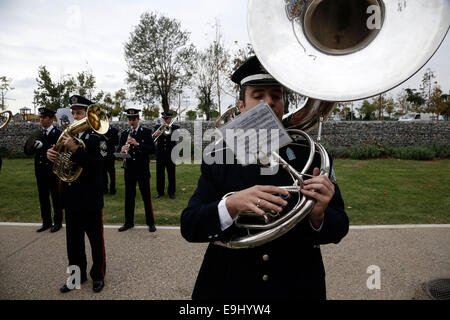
(140, 159)
(289, 267)
(43, 166)
(86, 193)
(111, 140)
(164, 144)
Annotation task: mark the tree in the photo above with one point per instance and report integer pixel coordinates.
(382, 103)
(389, 107)
(191, 115)
(427, 86)
(204, 82)
(52, 94)
(120, 102)
(346, 110)
(85, 84)
(416, 99)
(367, 110)
(403, 106)
(150, 112)
(159, 59)
(437, 103)
(220, 60)
(5, 86)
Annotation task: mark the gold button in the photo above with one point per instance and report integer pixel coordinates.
(266, 257)
(265, 277)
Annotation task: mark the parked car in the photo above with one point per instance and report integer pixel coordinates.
(415, 116)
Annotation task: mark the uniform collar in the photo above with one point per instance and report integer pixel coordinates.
(49, 129)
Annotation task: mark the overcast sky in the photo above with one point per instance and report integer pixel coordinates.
(72, 36)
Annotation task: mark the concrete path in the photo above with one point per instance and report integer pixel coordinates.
(163, 266)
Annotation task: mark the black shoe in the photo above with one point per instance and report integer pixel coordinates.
(158, 196)
(125, 227)
(171, 196)
(152, 228)
(98, 285)
(65, 288)
(105, 191)
(43, 228)
(56, 228)
(113, 192)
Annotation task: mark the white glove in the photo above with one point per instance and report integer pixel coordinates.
(38, 144)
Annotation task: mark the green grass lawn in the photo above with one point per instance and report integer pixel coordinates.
(383, 191)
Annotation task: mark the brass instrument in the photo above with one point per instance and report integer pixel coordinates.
(64, 168)
(315, 50)
(8, 118)
(165, 128)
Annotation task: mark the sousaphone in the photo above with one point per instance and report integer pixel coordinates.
(332, 51)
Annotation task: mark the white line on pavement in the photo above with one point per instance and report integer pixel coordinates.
(397, 226)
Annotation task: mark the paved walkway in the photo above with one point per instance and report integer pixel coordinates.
(163, 266)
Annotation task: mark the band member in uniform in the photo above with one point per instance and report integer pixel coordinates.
(164, 146)
(289, 267)
(137, 141)
(108, 145)
(83, 200)
(47, 181)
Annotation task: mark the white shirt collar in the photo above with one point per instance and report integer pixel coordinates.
(49, 129)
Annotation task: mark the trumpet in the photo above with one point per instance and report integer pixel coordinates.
(8, 118)
(165, 128)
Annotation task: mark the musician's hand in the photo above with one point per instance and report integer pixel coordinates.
(133, 142)
(321, 189)
(158, 133)
(125, 148)
(52, 154)
(69, 142)
(247, 200)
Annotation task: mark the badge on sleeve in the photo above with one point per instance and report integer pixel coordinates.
(290, 154)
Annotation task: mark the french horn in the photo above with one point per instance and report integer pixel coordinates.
(4, 121)
(332, 51)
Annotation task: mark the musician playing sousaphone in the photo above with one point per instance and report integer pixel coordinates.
(83, 200)
(164, 145)
(289, 267)
(38, 143)
(264, 244)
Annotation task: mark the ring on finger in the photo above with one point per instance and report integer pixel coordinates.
(258, 203)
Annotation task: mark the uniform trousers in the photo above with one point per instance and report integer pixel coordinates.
(48, 186)
(161, 166)
(143, 180)
(90, 223)
(109, 169)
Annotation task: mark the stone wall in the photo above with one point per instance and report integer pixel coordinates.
(335, 133)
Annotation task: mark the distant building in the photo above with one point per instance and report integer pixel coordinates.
(27, 115)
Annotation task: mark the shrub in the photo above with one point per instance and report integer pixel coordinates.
(413, 153)
(441, 150)
(364, 152)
